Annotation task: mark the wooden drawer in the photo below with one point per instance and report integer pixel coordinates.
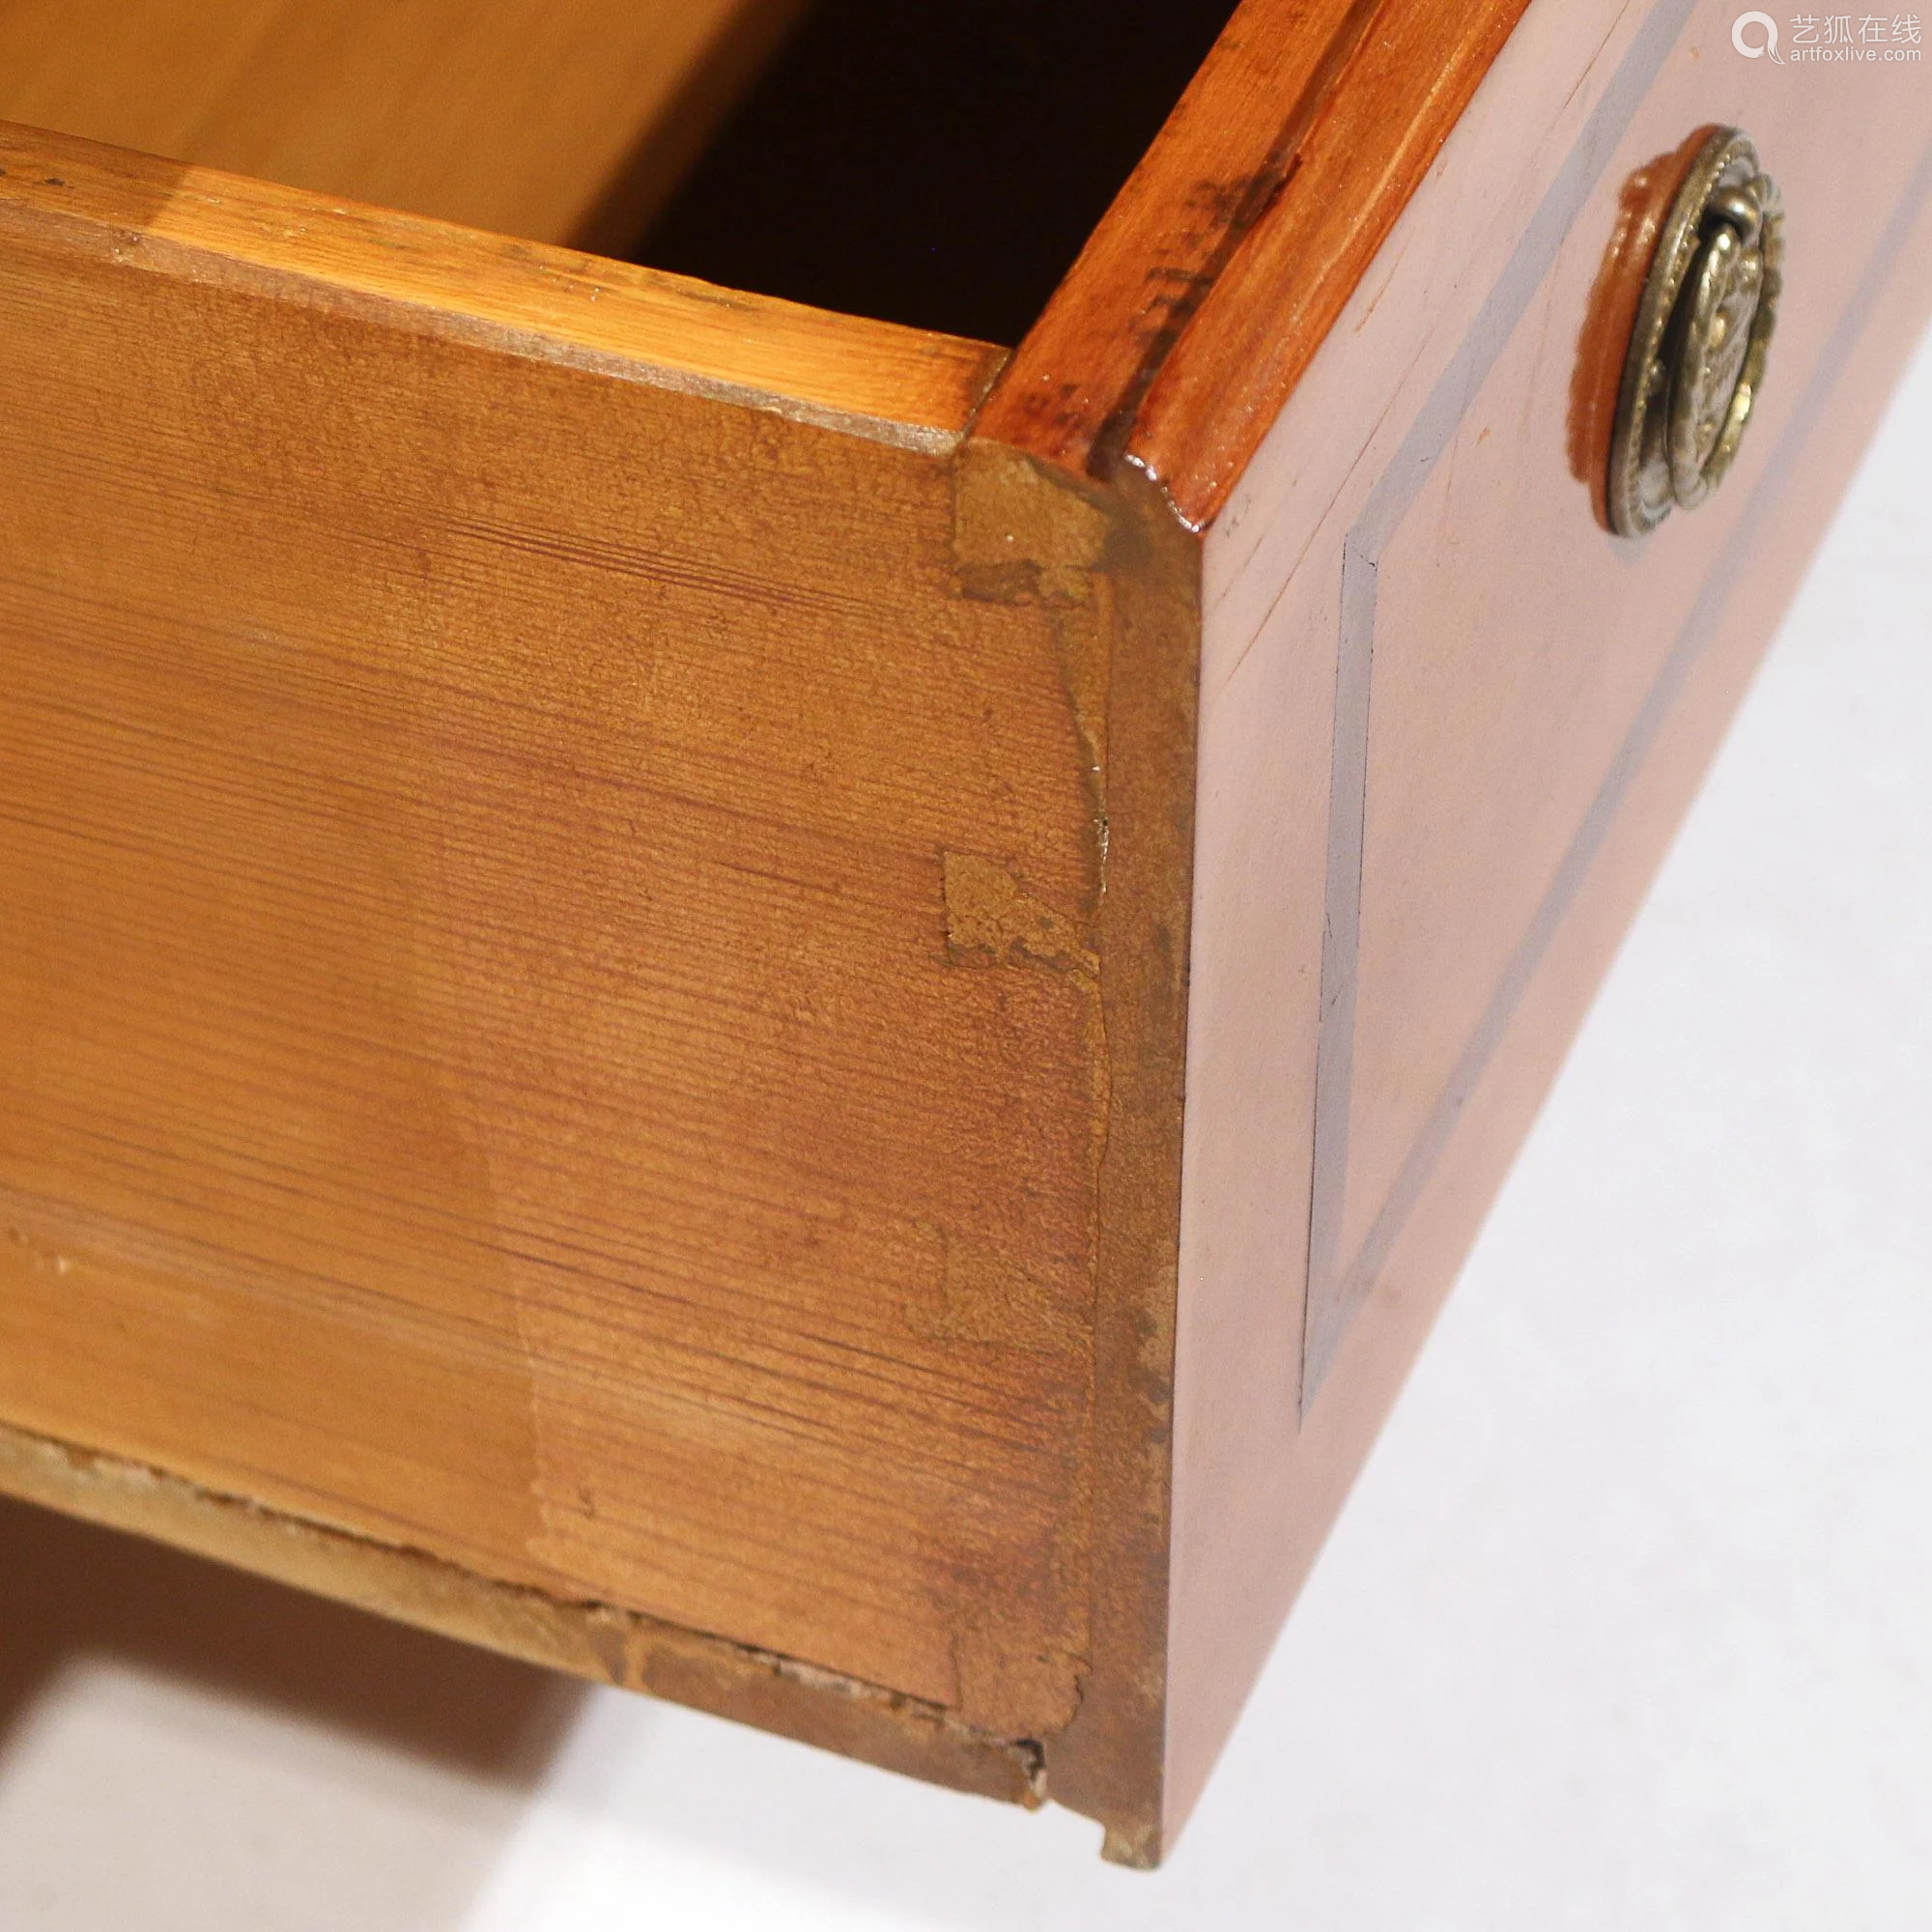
(789, 1009)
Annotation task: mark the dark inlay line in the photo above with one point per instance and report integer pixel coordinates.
(1334, 1293)
(1689, 646)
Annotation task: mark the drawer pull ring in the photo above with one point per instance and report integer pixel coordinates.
(1703, 325)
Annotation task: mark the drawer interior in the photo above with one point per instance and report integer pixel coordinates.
(935, 166)
(940, 166)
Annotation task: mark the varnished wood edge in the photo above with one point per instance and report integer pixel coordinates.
(597, 1641)
(1153, 740)
(888, 384)
(1122, 581)
(1199, 302)
(1210, 173)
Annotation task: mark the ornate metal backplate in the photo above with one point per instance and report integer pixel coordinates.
(1703, 325)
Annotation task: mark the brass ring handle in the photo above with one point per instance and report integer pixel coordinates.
(1696, 355)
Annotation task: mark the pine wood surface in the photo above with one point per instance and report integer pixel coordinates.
(596, 1642)
(548, 1007)
(874, 379)
(559, 120)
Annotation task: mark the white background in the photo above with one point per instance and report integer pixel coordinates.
(1629, 1624)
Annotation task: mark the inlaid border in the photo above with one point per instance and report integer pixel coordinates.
(1337, 1288)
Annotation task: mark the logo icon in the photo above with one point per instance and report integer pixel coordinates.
(1767, 45)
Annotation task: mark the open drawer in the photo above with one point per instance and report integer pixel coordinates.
(786, 1008)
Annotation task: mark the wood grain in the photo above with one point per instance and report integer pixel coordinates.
(591, 1641)
(872, 378)
(560, 120)
(611, 887)
(490, 1062)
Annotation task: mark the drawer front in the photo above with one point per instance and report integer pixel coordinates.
(1448, 719)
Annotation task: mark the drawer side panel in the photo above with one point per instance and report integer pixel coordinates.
(508, 1047)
